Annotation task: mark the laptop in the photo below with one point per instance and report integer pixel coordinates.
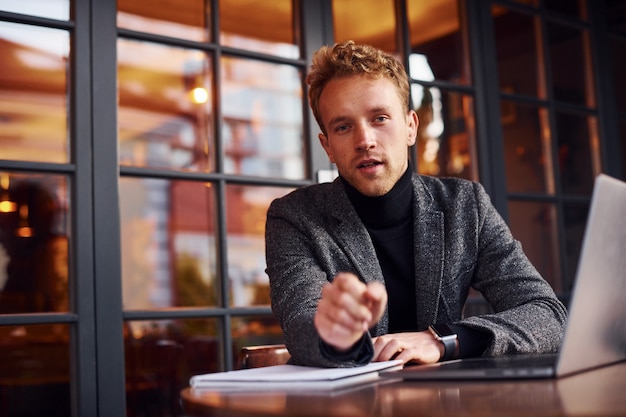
(595, 333)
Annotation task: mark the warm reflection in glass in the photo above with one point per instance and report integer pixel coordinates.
(260, 26)
(33, 93)
(579, 152)
(438, 50)
(161, 356)
(184, 19)
(34, 233)
(262, 123)
(575, 221)
(254, 331)
(570, 61)
(165, 114)
(246, 208)
(52, 9)
(527, 157)
(372, 22)
(446, 141)
(535, 226)
(517, 55)
(168, 232)
(35, 370)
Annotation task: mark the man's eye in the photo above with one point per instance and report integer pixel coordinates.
(341, 128)
(380, 119)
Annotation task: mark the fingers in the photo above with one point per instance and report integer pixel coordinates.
(347, 309)
(418, 347)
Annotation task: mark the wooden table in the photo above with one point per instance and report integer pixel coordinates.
(600, 392)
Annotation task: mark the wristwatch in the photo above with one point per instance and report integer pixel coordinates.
(446, 335)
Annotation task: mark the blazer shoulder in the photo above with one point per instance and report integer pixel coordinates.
(447, 190)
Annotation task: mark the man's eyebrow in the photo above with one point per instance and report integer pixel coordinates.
(374, 110)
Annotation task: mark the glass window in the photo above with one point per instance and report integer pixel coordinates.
(189, 19)
(578, 152)
(160, 358)
(438, 48)
(52, 9)
(33, 93)
(246, 213)
(372, 22)
(571, 8)
(618, 63)
(34, 232)
(535, 226)
(527, 153)
(168, 233)
(575, 221)
(165, 107)
(35, 370)
(516, 49)
(622, 134)
(570, 63)
(616, 15)
(446, 141)
(260, 26)
(262, 123)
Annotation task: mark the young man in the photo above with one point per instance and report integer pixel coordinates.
(379, 263)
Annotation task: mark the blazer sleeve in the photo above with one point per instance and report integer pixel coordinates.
(528, 317)
(297, 255)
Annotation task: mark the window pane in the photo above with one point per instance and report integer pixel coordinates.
(571, 8)
(569, 63)
(616, 15)
(189, 19)
(52, 9)
(34, 231)
(577, 152)
(35, 370)
(446, 144)
(246, 208)
(618, 62)
(535, 226)
(372, 22)
(262, 119)
(437, 45)
(165, 115)
(527, 154)
(575, 219)
(516, 48)
(33, 93)
(161, 356)
(260, 26)
(168, 234)
(254, 331)
(622, 134)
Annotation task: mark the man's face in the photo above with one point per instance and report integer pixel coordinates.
(368, 132)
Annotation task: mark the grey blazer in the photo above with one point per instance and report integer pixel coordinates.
(461, 242)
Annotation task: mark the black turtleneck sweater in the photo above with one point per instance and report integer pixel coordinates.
(389, 221)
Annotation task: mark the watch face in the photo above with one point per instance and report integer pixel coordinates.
(443, 330)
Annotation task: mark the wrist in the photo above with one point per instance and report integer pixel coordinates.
(448, 338)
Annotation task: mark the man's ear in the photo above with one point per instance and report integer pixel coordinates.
(324, 142)
(413, 125)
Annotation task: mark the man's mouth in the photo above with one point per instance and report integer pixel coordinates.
(369, 163)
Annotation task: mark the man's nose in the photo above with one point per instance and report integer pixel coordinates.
(365, 138)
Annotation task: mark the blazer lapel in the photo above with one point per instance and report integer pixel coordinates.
(354, 238)
(429, 255)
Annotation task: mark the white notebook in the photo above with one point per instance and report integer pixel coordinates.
(293, 377)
